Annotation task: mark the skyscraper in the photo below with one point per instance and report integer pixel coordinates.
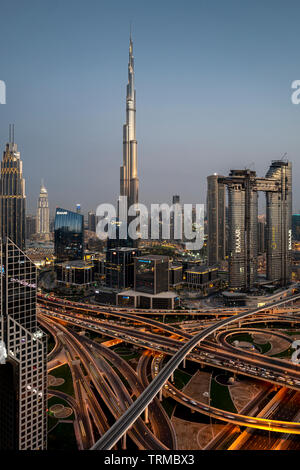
(119, 268)
(42, 218)
(261, 235)
(243, 186)
(68, 235)
(242, 206)
(216, 220)
(92, 221)
(23, 372)
(129, 183)
(279, 222)
(12, 193)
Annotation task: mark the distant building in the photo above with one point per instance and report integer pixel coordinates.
(296, 227)
(175, 275)
(42, 217)
(151, 274)
(92, 221)
(68, 235)
(203, 279)
(75, 273)
(30, 226)
(261, 234)
(164, 300)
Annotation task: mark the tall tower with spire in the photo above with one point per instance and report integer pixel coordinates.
(129, 182)
(42, 218)
(12, 193)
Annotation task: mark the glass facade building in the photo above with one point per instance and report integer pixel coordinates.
(23, 373)
(279, 222)
(216, 220)
(68, 235)
(119, 267)
(151, 274)
(12, 195)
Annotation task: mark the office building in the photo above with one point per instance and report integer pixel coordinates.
(68, 235)
(151, 274)
(12, 194)
(216, 220)
(75, 273)
(119, 267)
(175, 275)
(203, 279)
(23, 373)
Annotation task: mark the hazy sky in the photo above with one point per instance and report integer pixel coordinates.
(213, 81)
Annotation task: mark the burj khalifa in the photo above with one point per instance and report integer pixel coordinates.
(129, 182)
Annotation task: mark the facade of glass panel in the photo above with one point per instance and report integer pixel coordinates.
(23, 376)
(151, 274)
(242, 219)
(243, 238)
(216, 220)
(279, 222)
(68, 235)
(119, 267)
(12, 196)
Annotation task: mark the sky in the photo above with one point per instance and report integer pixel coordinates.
(213, 82)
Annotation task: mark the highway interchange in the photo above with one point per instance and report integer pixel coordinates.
(163, 340)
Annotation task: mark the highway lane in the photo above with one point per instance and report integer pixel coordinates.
(230, 417)
(156, 411)
(218, 411)
(140, 433)
(263, 440)
(82, 391)
(159, 420)
(136, 409)
(83, 418)
(245, 362)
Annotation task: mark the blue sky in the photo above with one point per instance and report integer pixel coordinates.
(213, 81)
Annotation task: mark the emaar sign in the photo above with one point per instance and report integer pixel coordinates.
(2, 92)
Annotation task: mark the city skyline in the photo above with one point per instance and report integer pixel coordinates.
(73, 135)
(170, 329)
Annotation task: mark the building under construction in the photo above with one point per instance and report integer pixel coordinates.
(243, 187)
